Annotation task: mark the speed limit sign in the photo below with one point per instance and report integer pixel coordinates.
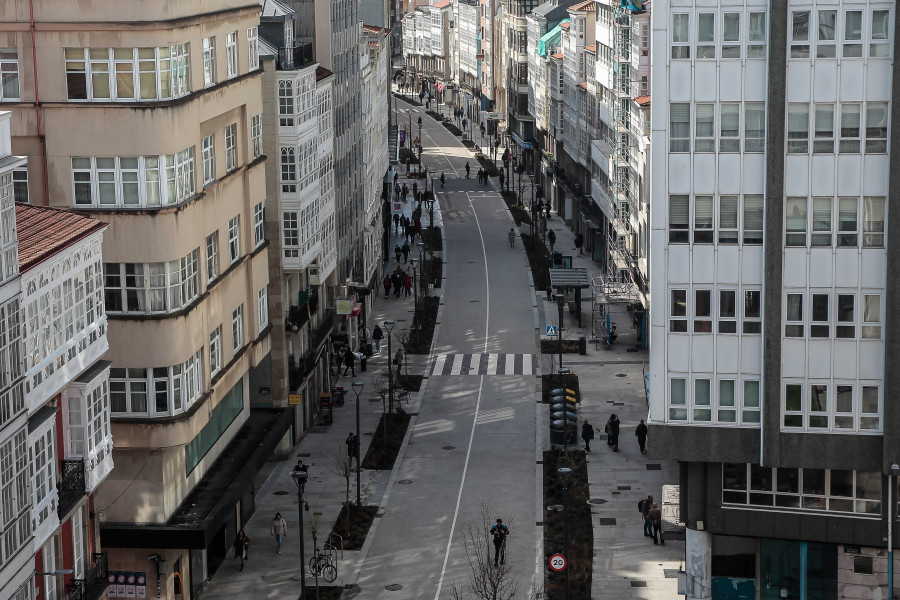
(558, 562)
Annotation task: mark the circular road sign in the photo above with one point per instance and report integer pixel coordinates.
(558, 562)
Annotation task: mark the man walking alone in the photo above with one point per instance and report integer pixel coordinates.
(499, 533)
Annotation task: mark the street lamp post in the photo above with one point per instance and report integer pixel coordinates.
(299, 478)
(357, 389)
(389, 326)
(560, 302)
(564, 474)
(415, 262)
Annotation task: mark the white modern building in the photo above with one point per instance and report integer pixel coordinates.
(771, 329)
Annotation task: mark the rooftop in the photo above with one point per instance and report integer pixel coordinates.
(564, 25)
(46, 231)
(642, 100)
(587, 5)
(557, 55)
(441, 4)
(591, 48)
(322, 73)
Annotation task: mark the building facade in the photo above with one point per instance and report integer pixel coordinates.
(771, 334)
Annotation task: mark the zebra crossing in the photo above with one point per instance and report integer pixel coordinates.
(483, 364)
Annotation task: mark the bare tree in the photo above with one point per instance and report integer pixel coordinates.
(314, 526)
(486, 581)
(343, 466)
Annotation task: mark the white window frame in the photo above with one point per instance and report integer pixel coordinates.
(704, 127)
(752, 219)
(826, 33)
(872, 315)
(873, 221)
(704, 219)
(880, 39)
(731, 35)
(798, 128)
(796, 221)
(751, 324)
(800, 33)
(682, 141)
(845, 324)
(793, 315)
(850, 127)
(234, 238)
(259, 224)
(10, 88)
(877, 127)
(681, 36)
(290, 234)
(162, 287)
(727, 311)
(678, 404)
(158, 180)
(215, 351)
(178, 385)
(706, 40)
(237, 328)
(212, 255)
(678, 310)
(256, 139)
(209, 61)
(253, 48)
(231, 147)
(288, 170)
(703, 311)
(757, 24)
(848, 222)
(852, 34)
(286, 103)
(679, 218)
(823, 126)
(208, 158)
(822, 217)
(729, 220)
(231, 54)
(262, 308)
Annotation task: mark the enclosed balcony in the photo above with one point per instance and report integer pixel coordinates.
(94, 583)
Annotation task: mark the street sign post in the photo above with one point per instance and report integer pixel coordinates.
(558, 562)
(551, 330)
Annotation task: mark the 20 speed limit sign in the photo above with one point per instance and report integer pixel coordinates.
(558, 562)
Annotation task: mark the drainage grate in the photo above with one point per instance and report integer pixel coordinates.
(394, 587)
(474, 300)
(631, 349)
(405, 481)
(654, 467)
(624, 487)
(280, 493)
(597, 501)
(638, 584)
(608, 521)
(618, 404)
(304, 455)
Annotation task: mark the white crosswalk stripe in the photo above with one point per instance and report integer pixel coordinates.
(483, 364)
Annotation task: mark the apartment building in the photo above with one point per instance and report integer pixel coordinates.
(467, 18)
(181, 183)
(770, 330)
(300, 211)
(514, 68)
(426, 43)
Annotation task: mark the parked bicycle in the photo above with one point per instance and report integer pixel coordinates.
(321, 564)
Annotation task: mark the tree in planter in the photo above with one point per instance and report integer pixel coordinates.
(485, 582)
(381, 387)
(343, 466)
(314, 526)
(405, 337)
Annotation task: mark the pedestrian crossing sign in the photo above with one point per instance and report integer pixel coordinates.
(551, 330)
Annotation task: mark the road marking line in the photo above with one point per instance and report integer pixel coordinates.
(438, 368)
(492, 364)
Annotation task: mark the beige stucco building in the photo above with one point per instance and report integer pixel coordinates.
(147, 116)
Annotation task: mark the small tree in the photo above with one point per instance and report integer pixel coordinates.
(313, 526)
(486, 582)
(343, 466)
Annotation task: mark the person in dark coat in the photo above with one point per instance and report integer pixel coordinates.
(352, 448)
(397, 283)
(614, 432)
(442, 180)
(656, 517)
(349, 361)
(551, 238)
(467, 169)
(387, 286)
(377, 334)
(405, 251)
(579, 241)
(396, 219)
(587, 434)
(641, 433)
(398, 252)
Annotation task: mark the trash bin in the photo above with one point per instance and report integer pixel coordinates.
(569, 416)
(582, 345)
(362, 361)
(337, 396)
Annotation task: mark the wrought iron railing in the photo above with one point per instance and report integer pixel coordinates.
(296, 57)
(94, 583)
(71, 485)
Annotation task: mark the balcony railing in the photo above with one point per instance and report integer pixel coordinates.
(298, 315)
(300, 368)
(296, 57)
(94, 583)
(71, 485)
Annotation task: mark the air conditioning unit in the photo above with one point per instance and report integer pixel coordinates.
(312, 274)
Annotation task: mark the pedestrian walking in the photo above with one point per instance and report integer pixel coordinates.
(301, 468)
(467, 169)
(644, 507)
(241, 547)
(398, 252)
(398, 360)
(587, 434)
(405, 251)
(512, 237)
(415, 189)
(480, 175)
(499, 532)
(352, 448)
(501, 179)
(442, 180)
(387, 287)
(656, 518)
(551, 238)
(396, 219)
(641, 433)
(396, 175)
(279, 530)
(337, 359)
(579, 241)
(349, 362)
(377, 334)
(397, 190)
(397, 283)
(407, 285)
(613, 432)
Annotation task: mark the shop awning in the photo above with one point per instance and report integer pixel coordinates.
(522, 143)
(550, 38)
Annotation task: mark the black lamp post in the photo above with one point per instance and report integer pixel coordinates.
(415, 262)
(564, 474)
(357, 389)
(560, 302)
(299, 478)
(431, 208)
(420, 136)
(389, 326)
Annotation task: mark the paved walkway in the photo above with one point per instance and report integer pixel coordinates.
(625, 564)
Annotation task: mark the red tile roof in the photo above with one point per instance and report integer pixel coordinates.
(564, 25)
(642, 100)
(557, 55)
(583, 85)
(583, 6)
(591, 48)
(441, 4)
(45, 231)
(371, 28)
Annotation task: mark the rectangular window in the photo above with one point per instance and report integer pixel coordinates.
(795, 221)
(870, 409)
(752, 306)
(793, 405)
(237, 328)
(706, 35)
(730, 131)
(285, 103)
(291, 235)
(209, 61)
(727, 315)
(753, 219)
(731, 35)
(750, 402)
(846, 316)
(728, 220)
(681, 36)
(821, 221)
(843, 407)
(823, 141)
(793, 316)
(234, 238)
(754, 126)
(800, 34)
(262, 308)
(288, 170)
(677, 400)
(133, 181)
(871, 328)
(705, 128)
(818, 406)
(850, 124)
(259, 224)
(703, 219)
(819, 326)
(848, 210)
(702, 412)
(212, 256)
(678, 312)
(253, 48)
(256, 139)
(702, 311)
(680, 127)
(9, 74)
(230, 147)
(826, 34)
(880, 47)
(727, 413)
(756, 48)
(852, 34)
(798, 128)
(231, 55)
(20, 185)
(679, 215)
(215, 350)
(208, 157)
(873, 222)
(876, 127)
(181, 69)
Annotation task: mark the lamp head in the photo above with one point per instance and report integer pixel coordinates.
(895, 469)
(564, 371)
(299, 477)
(564, 472)
(358, 384)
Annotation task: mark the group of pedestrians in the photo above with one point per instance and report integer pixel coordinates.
(409, 227)
(652, 518)
(400, 282)
(344, 356)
